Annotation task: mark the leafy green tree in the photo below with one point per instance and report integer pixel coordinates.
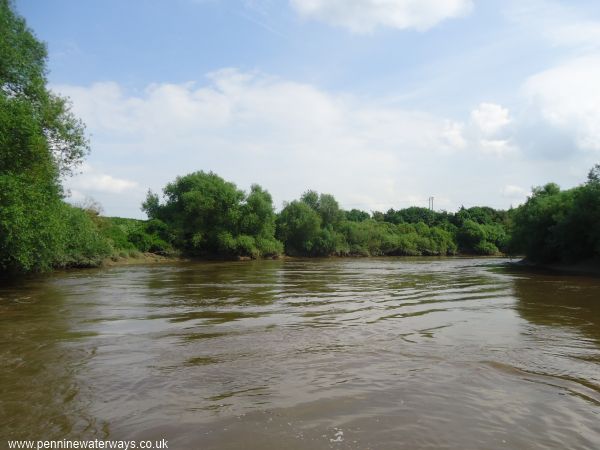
(329, 211)
(356, 215)
(326, 206)
(560, 226)
(257, 213)
(258, 220)
(594, 175)
(471, 237)
(40, 140)
(536, 223)
(413, 214)
(311, 198)
(298, 227)
(209, 216)
(202, 209)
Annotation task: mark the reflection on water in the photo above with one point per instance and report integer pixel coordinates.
(569, 302)
(344, 353)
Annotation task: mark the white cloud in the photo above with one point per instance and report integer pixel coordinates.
(91, 180)
(75, 196)
(490, 118)
(516, 194)
(454, 134)
(568, 97)
(512, 191)
(497, 147)
(365, 15)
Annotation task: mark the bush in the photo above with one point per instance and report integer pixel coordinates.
(486, 248)
(82, 244)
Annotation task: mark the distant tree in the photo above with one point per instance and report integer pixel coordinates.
(311, 198)
(298, 227)
(257, 216)
(594, 175)
(329, 210)
(472, 238)
(378, 216)
(258, 220)
(356, 215)
(209, 216)
(412, 214)
(326, 206)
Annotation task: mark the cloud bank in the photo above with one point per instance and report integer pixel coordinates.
(568, 98)
(289, 136)
(363, 16)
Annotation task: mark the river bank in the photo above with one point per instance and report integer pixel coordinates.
(587, 268)
(154, 258)
(139, 258)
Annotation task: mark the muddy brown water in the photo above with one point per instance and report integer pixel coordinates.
(390, 353)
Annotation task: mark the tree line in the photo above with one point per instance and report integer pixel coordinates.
(202, 215)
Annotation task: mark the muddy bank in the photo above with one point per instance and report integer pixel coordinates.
(140, 258)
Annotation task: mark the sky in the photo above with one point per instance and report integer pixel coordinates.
(382, 103)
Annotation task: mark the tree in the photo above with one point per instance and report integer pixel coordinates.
(209, 216)
(326, 206)
(356, 215)
(40, 140)
(298, 227)
(258, 219)
(329, 210)
(559, 226)
(594, 175)
(311, 198)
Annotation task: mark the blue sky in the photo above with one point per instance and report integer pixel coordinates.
(381, 103)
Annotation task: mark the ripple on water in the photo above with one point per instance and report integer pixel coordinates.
(342, 353)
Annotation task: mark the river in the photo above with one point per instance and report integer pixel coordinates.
(373, 353)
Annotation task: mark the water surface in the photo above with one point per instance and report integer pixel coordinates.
(391, 353)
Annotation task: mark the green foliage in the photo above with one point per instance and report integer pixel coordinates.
(40, 139)
(560, 226)
(469, 235)
(356, 215)
(485, 248)
(329, 211)
(326, 206)
(53, 234)
(115, 234)
(29, 224)
(82, 243)
(257, 217)
(298, 227)
(411, 215)
(373, 238)
(481, 238)
(205, 215)
(594, 175)
(315, 226)
(129, 235)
